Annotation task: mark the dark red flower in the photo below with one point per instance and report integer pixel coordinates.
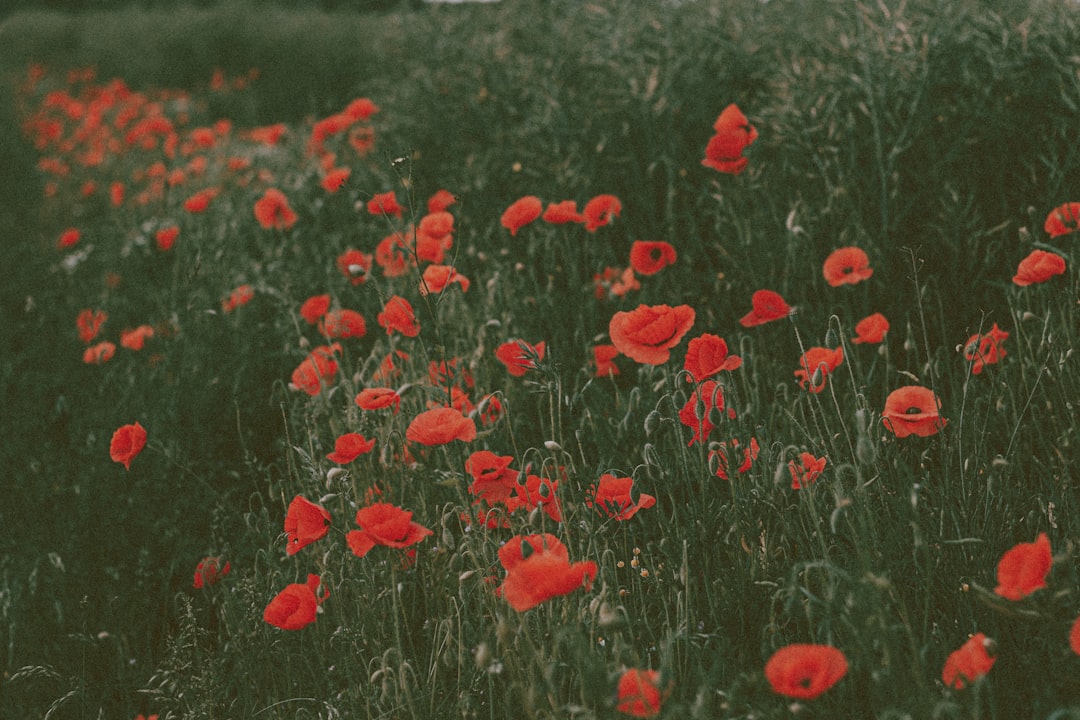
(1063, 219)
(350, 446)
(1074, 637)
(384, 524)
(1023, 569)
(871, 329)
(610, 496)
(649, 257)
(384, 204)
(89, 323)
(127, 442)
(165, 237)
(805, 671)
(600, 211)
(707, 355)
(241, 295)
(562, 212)
(440, 426)
(305, 522)
(639, 693)
(68, 238)
(521, 212)
(354, 265)
(806, 470)
(734, 133)
(968, 663)
(647, 333)
(846, 266)
(295, 607)
(135, 338)
(99, 354)
(397, 314)
(379, 398)
(1038, 267)
(519, 356)
(494, 481)
(314, 308)
(272, 210)
(726, 453)
(912, 410)
(539, 569)
(209, 571)
(767, 306)
(816, 365)
(982, 350)
(316, 370)
(604, 360)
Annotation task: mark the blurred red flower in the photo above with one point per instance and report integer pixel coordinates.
(272, 210)
(135, 338)
(871, 329)
(209, 571)
(439, 426)
(734, 134)
(166, 237)
(397, 314)
(521, 212)
(537, 492)
(600, 211)
(806, 470)
(335, 178)
(241, 295)
(804, 671)
(1063, 219)
(647, 333)
(361, 109)
(69, 238)
(846, 266)
(89, 323)
(441, 200)
(354, 265)
(384, 204)
(724, 456)
(982, 350)
(816, 365)
(314, 308)
(200, 201)
(649, 257)
(707, 355)
(613, 282)
(316, 369)
(912, 410)
(1038, 267)
(562, 212)
(638, 693)
(437, 277)
(968, 663)
(342, 324)
(1023, 569)
(378, 399)
(767, 306)
(350, 446)
(1074, 636)
(127, 442)
(604, 360)
(519, 356)
(99, 354)
(295, 607)
(697, 412)
(305, 522)
(611, 496)
(539, 569)
(494, 481)
(384, 524)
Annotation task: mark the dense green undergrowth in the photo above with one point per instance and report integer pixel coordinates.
(936, 137)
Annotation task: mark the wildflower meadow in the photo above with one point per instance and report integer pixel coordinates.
(704, 359)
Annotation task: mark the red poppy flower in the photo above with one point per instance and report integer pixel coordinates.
(541, 572)
(305, 522)
(384, 524)
(99, 354)
(362, 139)
(335, 178)
(450, 372)
(1074, 636)
(816, 365)
(724, 456)
(537, 492)
(707, 355)
(494, 481)
(390, 255)
(166, 237)
(491, 409)
(871, 329)
(127, 442)
(316, 369)
(912, 410)
(200, 201)
(648, 333)
(361, 109)
(639, 694)
(350, 446)
(767, 306)
(805, 671)
(354, 265)
(397, 314)
(384, 204)
(699, 417)
(600, 211)
(734, 133)
(846, 266)
(1023, 569)
(314, 308)
(614, 282)
(521, 212)
(238, 296)
(440, 426)
(519, 356)
(209, 571)
(611, 496)
(982, 350)
(649, 257)
(1038, 267)
(604, 360)
(437, 224)
(441, 200)
(563, 212)
(437, 277)
(272, 210)
(1063, 219)
(69, 238)
(806, 471)
(342, 324)
(135, 339)
(968, 663)
(89, 323)
(379, 398)
(295, 607)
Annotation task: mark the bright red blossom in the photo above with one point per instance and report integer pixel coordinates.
(1023, 569)
(846, 266)
(1038, 267)
(295, 607)
(441, 200)
(134, 339)
(806, 470)
(305, 522)
(539, 569)
(816, 365)
(241, 295)
(639, 693)
(912, 410)
(600, 211)
(563, 212)
(314, 308)
(767, 306)
(89, 323)
(518, 356)
(982, 350)
(734, 133)
(437, 277)
(968, 663)
(99, 354)
(611, 496)
(166, 237)
(648, 333)
(521, 212)
(805, 671)
(209, 571)
(1063, 219)
(439, 426)
(350, 446)
(378, 399)
(354, 265)
(316, 370)
(127, 442)
(342, 324)
(707, 355)
(871, 329)
(649, 257)
(704, 405)
(604, 360)
(726, 454)
(398, 314)
(69, 238)
(384, 204)
(384, 524)
(494, 481)
(272, 211)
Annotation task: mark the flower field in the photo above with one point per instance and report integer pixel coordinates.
(591, 360)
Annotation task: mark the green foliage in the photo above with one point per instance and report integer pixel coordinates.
(934, 136)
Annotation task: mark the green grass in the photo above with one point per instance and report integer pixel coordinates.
(934, 136)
